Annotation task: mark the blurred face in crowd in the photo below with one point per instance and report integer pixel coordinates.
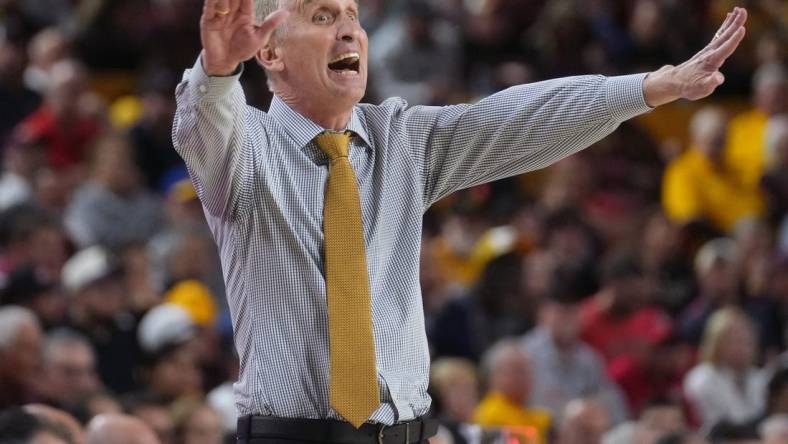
(176, 374)
(21, 360)
(511, 375)
(68, 83)
(11, 64)
(719, 282)
(664, 419)
(203, 427)
(114, 166)
(771, 96)
(319, 59)
(102, 300)
(562, 321)
(709, 128)
(738, 345)
(71, 372)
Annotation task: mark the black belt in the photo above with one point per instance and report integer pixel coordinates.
(333, 431)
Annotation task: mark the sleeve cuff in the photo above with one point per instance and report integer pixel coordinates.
(625, 96)
(210, 88)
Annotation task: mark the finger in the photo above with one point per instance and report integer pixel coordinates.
(737, 22)
(213, 7)
(233, 6)
(728, 19)
(247, 7)
(718, 56)
(269, 25)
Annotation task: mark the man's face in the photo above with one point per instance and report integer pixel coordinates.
(323, 52)
(72, 373)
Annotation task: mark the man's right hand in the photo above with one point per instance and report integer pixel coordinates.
(230, 36)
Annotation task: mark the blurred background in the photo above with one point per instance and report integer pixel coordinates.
(634, 293)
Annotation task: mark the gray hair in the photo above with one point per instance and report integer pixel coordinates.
(497, 352)
(12, 319)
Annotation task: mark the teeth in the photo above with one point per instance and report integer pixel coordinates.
(347, 55)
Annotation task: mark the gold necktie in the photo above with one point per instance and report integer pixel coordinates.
(354, 382)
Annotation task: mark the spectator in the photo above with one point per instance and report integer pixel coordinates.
(20, 353)
(717, 278)
(619, 320)
(61, 123)
(119, 429)
(403, 52)
(22, 163)
(27, 289)
(69, 369)
(745, 154)
(455, 387)
(455, 391)
(775, 179)
(508, 400)
(698, 187)
(726, 386)
(567, 368)
(167, 336)
(113, 208)
(32, 237)
(494, 309)
(92, 281)
(46, 49)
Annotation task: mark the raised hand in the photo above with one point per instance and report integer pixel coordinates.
(699, 76)
(230, 35)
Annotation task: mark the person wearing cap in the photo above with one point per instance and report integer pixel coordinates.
(91, 280)
(168, 338)
(316, 206)
(27, 288)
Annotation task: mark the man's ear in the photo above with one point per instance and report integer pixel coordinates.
(270, 58)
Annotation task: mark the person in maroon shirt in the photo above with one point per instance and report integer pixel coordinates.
(60, 123)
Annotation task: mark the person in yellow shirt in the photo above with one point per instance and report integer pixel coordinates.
(745, 151)
(699, 186)
(508, 375)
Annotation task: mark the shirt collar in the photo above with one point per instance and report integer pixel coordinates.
(302, 130)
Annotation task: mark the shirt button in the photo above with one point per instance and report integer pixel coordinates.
(203, 89)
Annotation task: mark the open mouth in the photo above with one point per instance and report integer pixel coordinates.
(346, 64)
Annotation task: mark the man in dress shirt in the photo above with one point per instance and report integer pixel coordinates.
(261, 177)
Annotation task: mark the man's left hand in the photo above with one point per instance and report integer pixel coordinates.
(699, 76)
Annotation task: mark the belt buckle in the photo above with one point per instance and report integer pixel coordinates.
(407, 433)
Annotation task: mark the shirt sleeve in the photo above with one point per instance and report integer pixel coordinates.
(517, 130)
(209, 133)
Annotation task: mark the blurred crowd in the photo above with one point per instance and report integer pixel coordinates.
(635, 293)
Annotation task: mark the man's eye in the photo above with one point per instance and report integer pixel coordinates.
(322, 18)
(353, 17)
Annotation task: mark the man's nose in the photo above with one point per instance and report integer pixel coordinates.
(349, 30)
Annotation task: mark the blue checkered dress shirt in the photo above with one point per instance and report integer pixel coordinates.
(261, 180)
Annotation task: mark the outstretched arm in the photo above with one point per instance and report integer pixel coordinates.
(699, 76)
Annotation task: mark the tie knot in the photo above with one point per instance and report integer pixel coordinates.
(335, 145)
